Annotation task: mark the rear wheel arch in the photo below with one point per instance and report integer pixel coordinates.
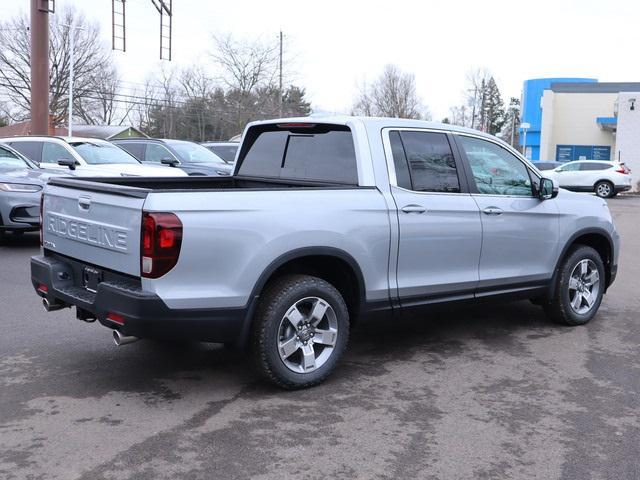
(333, 265)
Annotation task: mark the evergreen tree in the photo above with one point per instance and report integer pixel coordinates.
(493, 115)
(511, 121)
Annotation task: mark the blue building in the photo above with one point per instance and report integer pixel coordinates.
(532, 110)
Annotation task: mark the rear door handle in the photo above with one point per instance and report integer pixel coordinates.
(492, 211)
(413, 209)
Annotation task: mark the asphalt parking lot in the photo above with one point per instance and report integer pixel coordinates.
(486, 392)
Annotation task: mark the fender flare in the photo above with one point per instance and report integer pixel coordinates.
(585, 231)
(293, 255)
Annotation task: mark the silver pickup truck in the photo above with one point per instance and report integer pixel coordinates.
(325, 223)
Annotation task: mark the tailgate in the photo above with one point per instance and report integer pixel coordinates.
(100, 228)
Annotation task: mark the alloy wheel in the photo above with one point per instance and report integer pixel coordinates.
(584, 286)
(307, 334)
(603, 190)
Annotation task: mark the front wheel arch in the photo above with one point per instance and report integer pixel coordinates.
(598, 239)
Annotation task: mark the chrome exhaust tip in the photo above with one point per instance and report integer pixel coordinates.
(120, 339)
(51, 307)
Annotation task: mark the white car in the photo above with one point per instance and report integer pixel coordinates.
(605, 179)
(85, 157)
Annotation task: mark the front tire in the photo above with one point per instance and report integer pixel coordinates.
(604, 189)
(300, 331)
(579, 287)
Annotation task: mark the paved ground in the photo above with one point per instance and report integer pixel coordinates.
(477, 393)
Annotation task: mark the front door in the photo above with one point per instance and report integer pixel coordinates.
(439, 222)
(520, 231)
(568, 175)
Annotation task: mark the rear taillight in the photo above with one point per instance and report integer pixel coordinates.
(622, 168)
(41, 216)
(160, 243)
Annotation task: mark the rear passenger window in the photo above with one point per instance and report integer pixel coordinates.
(587, 166)
(431, 166)
(136, 149)
(31, 150)
(319, 153)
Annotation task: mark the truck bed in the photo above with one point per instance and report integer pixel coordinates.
(141, 186)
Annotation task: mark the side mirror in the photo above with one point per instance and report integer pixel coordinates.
(558, 169)
(547, 190)
(68, 162)
(172, 162)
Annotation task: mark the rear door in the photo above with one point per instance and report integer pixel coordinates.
(440, 231)
(520, 231)
(99, 228)
(134, 148)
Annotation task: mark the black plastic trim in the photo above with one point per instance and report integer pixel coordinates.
(145, 314)
(608, 265)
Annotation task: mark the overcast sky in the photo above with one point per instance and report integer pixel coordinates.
(334, 46)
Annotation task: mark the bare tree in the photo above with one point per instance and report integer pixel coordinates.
(248, 69)
(92, 63)
(475, 95)
(393, 94)
(245, 65)
(103, 106)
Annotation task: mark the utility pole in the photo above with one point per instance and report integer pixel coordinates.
(473, 113)
(280, 67)
(39, 67)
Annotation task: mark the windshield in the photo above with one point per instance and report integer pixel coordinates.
(100, 154)
(193, 153)
(9, 160)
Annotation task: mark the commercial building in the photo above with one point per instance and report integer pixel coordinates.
(582, 119)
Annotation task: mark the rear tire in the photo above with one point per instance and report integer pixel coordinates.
(604, 189)
(579, 287)
(300, 331)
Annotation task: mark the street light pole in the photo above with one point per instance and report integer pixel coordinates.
(71, 59)
(524, 126)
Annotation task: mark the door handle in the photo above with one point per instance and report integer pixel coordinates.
(492, 211)
(413, 209)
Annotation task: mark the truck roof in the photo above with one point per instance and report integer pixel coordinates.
(375, 122)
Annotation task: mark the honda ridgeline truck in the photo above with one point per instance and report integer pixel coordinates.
(325, 223)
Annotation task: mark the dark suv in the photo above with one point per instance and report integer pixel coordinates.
(191, 157)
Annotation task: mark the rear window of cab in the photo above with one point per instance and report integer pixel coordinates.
(302, 151)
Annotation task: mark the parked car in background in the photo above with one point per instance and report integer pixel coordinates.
(543, 166)
(21, 183)
(84, 157)
(327, 222)
(191, 157)
(605, 179)
(225, 150)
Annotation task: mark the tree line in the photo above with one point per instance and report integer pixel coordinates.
(393, 94)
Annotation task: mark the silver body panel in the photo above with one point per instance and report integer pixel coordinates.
(97, 228)
(232, 236)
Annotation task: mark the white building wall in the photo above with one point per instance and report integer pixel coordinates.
(628, 136)
(570, 119)
(547, 147)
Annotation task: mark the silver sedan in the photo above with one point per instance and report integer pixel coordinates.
(21, 182)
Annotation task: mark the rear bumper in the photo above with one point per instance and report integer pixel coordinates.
(621, 188)
(144, 314)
